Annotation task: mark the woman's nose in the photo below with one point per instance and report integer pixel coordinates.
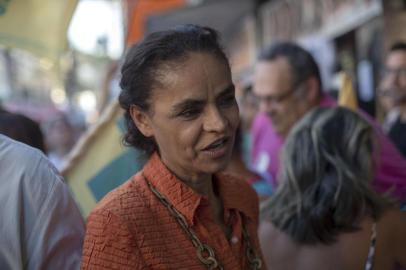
(215, 120)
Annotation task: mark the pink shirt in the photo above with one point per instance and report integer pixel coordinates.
(266, 145)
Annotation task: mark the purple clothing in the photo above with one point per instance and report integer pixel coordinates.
(266, 145)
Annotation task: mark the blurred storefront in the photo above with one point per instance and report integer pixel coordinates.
(348, 36)
(344, 35)
(234, 19)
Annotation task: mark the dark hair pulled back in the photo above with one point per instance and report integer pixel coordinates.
(144, 61)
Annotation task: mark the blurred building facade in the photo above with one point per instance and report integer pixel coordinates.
(350, 36)
(343, 35)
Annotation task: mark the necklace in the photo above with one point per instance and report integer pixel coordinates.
(204, 252)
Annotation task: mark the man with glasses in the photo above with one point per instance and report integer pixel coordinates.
(393, 88)
(287, 85)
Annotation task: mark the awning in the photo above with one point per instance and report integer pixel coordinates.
(138, 10)
(38, 26)
(222, 15)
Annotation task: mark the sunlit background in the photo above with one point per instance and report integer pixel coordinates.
(97, 27)
(73, 63)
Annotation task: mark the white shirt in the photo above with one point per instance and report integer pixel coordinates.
(40, 224)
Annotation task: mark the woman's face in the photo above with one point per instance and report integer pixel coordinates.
(194, 116)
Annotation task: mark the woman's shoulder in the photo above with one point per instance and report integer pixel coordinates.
(391, 232)
(393, 218)
(391, 227)
(124, 199)
(393, 223)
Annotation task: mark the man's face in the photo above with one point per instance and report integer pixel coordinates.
(394, 80)
(277, 96)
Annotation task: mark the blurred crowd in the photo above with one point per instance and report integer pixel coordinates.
(331, 181)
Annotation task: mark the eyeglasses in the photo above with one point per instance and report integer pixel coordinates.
(392, 94)
(277, 99)
(385, 92)
(400, 72)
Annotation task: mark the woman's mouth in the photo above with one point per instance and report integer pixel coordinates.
(218, 148)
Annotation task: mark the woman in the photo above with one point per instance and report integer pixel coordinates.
(179, 212)
(325, 215)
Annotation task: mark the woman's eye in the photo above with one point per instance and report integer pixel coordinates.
(189, 113)
(228, 101)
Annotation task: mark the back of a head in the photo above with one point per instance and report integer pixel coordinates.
(148, 60)
(325, 180)
(302, 63)
(22, 129)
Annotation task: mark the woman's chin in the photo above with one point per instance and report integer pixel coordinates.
(218, 165)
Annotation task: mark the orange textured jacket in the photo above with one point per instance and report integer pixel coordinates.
(131, 229)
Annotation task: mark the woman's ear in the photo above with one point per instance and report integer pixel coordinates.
(142, 120)
(312, 90)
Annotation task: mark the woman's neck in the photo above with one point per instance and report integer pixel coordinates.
(201, 185)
